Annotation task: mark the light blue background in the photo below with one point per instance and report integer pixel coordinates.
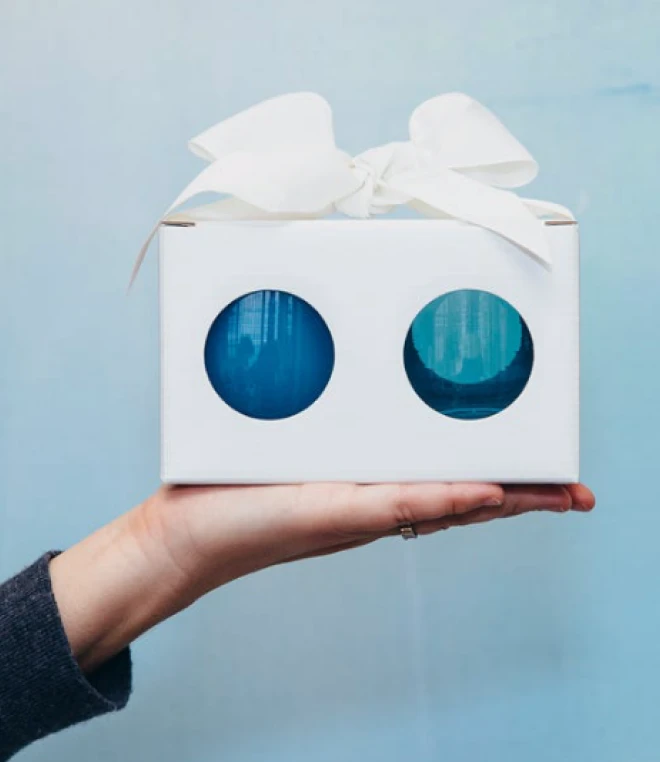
(537, 639)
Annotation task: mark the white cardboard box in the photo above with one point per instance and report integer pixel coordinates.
(367, 279)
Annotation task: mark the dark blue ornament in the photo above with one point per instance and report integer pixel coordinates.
(269, 355)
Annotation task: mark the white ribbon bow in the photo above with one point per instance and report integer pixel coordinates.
(278, 160)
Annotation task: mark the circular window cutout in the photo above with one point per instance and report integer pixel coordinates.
(468, 354)
(269, 355)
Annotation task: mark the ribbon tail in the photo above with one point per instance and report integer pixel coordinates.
(449, 194)
(199, 185)
(142, 255)
(283, 185)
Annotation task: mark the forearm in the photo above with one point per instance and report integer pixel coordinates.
(152, 562)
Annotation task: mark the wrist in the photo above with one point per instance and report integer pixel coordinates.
(111, 587)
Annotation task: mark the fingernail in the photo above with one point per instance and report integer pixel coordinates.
(492, 502)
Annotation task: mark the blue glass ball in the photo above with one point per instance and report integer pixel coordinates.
(269, 355)
(468, 354)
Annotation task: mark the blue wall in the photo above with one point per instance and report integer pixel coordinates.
(537, 639)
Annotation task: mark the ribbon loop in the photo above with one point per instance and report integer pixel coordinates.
(292, 122)
(278, 160)
(458, 132)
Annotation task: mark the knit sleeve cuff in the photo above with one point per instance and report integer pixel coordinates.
(42, 688)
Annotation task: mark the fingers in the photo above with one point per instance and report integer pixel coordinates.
(386, 507)
(478, 516)
(583, 498)
(357, 511)
(518, 500)
(530, 497)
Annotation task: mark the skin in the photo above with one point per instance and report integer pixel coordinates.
(182, 542)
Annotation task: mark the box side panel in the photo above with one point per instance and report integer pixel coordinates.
(566, 261)
(162, 270)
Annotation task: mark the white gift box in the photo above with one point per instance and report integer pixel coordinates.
(367, 280)
(295, 348)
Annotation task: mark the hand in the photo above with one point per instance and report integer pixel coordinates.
(184, 541)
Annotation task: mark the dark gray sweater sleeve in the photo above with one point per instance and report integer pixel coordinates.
(42, 688)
